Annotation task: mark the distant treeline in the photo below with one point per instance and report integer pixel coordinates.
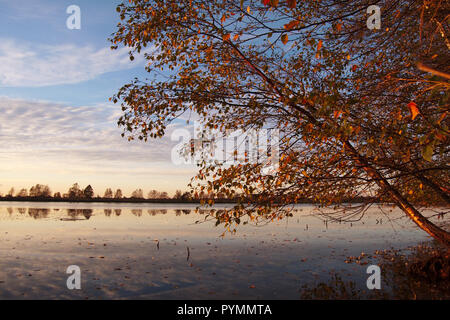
(42, 193)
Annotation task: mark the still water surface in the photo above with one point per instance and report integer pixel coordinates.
(141, 251)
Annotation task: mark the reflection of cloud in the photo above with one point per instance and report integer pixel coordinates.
(37, 65)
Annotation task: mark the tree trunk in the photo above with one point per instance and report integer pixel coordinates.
(433, 230)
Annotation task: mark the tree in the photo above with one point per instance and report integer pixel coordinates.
(178, 194)
(186, 196)
(40, 191)
(11, 192)
(164, 195)
(118, 194)
(108, 193)
(75, 192)
(137, 194)
(23, 193)
(153, 194)
(357, 117)
(57, 195)
(88, 192)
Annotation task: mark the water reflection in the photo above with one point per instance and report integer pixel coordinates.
(75, 214)
(38, 213)
(140, 251)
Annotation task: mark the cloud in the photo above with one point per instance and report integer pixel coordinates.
(38, 65)
(82, 133)
(58, 144)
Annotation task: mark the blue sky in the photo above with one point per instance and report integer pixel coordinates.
(57, 126)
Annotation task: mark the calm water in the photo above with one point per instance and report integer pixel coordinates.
(116, 247)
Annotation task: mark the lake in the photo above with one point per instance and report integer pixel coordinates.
(158, 251)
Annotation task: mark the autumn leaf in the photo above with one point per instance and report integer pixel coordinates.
(291, 25)
(292, 3)
(226, 37)
(427, 152)
(284, 38)
(319, 45)
(414, 110)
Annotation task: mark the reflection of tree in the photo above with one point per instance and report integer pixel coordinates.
(22, 210)
(87, 213)
(137, 212)
(10, 210)
(107, 212)
(334, 289)
(420, 272)
(117, 212)
(72, 213)
(154, 212)
(38, 213)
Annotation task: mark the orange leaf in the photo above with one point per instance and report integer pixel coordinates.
(291, 25)
(292, 3)
(226, 37)
(414, 110)
(284, 38)
(319, 45)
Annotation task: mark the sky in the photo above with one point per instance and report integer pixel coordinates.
(57, 126)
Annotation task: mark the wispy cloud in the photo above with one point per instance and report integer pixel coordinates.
(37, 65)
(49, 141)
(86, 132)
